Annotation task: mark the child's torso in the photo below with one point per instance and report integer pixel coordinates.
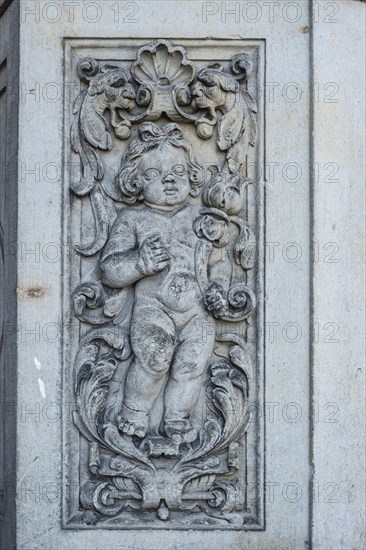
(176, 286)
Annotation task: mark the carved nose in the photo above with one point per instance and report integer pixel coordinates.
(129, 92)
(197, 90)
(169, 178)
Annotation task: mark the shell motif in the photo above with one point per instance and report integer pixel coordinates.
(163, 64)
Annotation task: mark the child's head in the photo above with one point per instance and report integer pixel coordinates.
(159, 167)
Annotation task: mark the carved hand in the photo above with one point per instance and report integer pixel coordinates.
(153, 256)
(215, 300)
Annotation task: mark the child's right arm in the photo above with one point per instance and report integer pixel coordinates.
(124, 261)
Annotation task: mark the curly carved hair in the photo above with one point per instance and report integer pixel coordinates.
(151, 136)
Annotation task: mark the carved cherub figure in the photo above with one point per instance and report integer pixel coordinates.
(152, 245)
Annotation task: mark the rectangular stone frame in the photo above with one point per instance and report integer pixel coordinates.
(108, 50)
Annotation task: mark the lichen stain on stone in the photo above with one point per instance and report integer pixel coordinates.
(32, 291)
(35, 292)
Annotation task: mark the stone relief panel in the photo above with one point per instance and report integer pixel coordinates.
(163, 359)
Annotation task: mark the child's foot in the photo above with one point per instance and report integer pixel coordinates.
(132, 422)
(180, 431)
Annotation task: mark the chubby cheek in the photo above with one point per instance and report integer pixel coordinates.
(184, 184)
(150, 188)
(215, 95)
(216, 232)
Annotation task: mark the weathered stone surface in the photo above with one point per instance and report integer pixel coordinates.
(166, 380)
(171, 390)
(339, 214)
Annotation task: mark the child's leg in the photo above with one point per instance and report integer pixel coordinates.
(152, 341)
(188, 367)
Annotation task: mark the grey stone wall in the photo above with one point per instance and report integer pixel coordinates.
(305, 455)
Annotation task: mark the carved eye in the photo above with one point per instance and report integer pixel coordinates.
(151, 173)
(179, 170)
(111, 93)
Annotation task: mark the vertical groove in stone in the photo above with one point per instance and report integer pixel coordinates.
(311, 272)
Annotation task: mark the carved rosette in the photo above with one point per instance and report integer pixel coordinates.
(162, 471)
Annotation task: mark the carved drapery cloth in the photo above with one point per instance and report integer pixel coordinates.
(162, 390)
